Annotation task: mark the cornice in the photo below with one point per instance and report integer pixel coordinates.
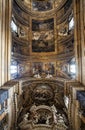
(20, 41)
(60, 19)
(63, 56)
(54, 81)
(65, 39)
(20, 18)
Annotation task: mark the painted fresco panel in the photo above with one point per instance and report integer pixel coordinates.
(43, 36)
(43, 67)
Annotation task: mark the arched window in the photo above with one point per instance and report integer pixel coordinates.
(72, 68)
(14, 69)
(13, 26)
(71, 24)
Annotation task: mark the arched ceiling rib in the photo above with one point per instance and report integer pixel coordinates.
(37, 7)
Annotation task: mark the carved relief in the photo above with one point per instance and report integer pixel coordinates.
(43, 93)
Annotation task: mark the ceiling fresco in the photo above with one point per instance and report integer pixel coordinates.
(43, 67)
(40, 25)
(42, 5)
(43, 36)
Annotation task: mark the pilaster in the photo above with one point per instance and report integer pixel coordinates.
(5, 40)
(79, 40)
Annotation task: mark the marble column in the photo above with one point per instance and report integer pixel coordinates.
(5, 40)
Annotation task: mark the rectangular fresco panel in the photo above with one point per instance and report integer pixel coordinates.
(24, 69)
(43, 67)
(43, 25)
(43, 36)
(37, 67)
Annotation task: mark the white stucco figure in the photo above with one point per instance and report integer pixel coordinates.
(37, 76)
(49, 76)
(26, 116)
(54, 113)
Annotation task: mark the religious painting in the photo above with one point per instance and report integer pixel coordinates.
(37, 67)
(43, 67)
(49, 67)
(43, 36)
(42, 25)
(24, 69)
(42, 5)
